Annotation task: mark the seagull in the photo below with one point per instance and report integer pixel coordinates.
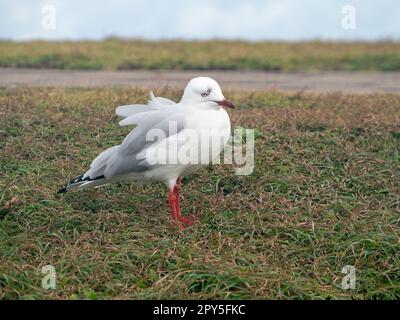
(170, 140)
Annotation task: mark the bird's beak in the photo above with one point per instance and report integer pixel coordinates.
(225, 103)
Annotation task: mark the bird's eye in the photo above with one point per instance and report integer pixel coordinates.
(206, 93)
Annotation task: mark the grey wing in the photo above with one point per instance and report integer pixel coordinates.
(99, 165)
(129, 157)
(124, 158)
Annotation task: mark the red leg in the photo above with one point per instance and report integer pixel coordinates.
(172, 202)
(177, 188)
(188, 221)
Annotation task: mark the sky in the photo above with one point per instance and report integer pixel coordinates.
(253, 20)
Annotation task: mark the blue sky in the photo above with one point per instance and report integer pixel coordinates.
(201, 19)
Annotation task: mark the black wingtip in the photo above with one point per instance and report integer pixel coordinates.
(77, 180)
(62, 190)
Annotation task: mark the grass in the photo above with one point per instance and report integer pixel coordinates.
(199, 55)
(325, 193)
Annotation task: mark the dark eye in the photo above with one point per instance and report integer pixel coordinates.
(206, 93)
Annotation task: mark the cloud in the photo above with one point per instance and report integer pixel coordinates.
(191, 19)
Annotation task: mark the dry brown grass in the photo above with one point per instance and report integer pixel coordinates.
(324, 194)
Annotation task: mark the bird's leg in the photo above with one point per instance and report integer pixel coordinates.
(177, 188)
(186, 220)
(172, 202)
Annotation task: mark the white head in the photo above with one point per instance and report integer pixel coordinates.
(205, 90)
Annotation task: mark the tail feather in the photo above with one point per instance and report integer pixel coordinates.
(94, 176)
(77, 181)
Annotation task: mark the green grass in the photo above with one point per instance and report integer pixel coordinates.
(324, 194)
(199, 55)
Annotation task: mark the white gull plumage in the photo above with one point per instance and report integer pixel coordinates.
(141, 159)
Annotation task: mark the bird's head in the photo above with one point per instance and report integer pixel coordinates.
(205, 90)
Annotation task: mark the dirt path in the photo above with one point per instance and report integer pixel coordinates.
(358, 82)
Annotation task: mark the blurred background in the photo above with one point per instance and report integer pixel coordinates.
(278, 35)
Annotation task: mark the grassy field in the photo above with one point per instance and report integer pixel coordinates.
(325, 193)
(181, 55)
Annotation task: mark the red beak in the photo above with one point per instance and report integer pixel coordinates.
(225, 103)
